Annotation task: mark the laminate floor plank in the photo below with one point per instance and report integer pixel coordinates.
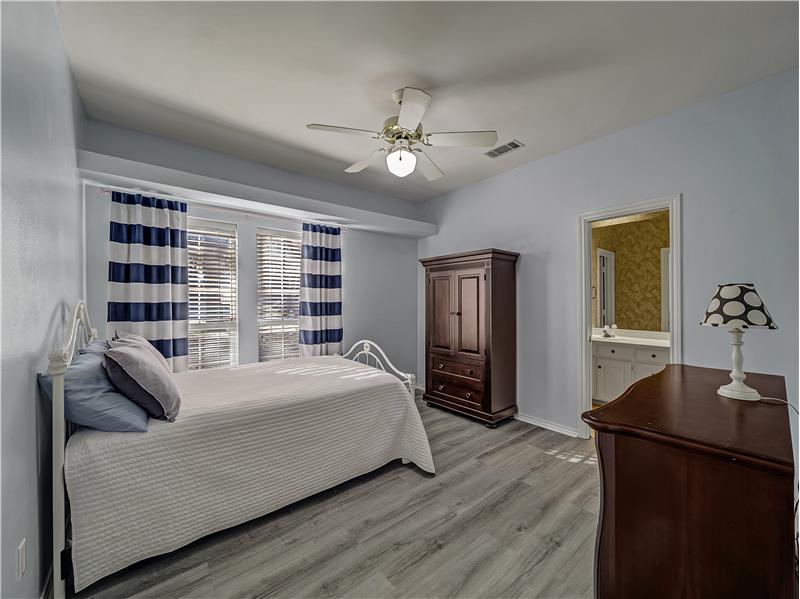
(511, 512)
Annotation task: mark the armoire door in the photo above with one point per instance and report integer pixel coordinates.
(440, 313)
(469, 303)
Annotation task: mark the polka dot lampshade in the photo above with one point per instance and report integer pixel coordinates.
(738, 306)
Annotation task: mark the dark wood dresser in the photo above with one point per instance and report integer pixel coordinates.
(697, 490)
(471, 333)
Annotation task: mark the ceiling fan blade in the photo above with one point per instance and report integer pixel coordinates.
(365, 162)
(428, 167)
(483, 139)
(412, 106)
(335, 129)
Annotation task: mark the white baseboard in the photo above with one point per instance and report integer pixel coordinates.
(47, 591)
(553, 426)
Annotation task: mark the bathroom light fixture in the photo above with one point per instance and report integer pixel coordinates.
(737, 307)
(401, 161)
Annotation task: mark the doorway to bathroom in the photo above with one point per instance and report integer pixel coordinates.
(629, 321)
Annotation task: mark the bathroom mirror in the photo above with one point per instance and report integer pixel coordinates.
(630, 272)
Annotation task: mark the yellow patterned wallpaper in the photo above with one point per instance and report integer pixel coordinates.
(637, 263)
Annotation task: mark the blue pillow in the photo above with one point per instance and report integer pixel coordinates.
(98, 346)
(91, 400)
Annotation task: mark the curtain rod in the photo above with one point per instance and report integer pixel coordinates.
(105, 188)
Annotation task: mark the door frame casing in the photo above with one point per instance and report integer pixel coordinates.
(585, 220)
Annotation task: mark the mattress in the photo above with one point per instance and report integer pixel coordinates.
(248, 440)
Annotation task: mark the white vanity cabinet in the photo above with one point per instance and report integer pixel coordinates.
(617, 365)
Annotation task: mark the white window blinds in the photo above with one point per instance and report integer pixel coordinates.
(213, 325)
(278, 294)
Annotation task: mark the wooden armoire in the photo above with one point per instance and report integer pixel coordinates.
(471, 333)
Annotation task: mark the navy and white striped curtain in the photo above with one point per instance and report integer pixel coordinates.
(321, 291)
(148, 273)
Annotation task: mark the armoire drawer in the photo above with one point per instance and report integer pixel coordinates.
(469, 395)
(465, 369)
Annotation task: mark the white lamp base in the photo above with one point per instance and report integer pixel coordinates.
(736, 389)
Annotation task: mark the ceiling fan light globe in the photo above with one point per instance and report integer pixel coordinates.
(401, 162)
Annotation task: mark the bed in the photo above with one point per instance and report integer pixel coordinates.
(249, 440)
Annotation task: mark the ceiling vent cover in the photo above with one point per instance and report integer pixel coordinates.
(514, 144)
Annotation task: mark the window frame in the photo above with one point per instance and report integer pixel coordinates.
(294, 235)
(223, 228)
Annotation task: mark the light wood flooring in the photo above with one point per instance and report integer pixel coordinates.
(511, 512)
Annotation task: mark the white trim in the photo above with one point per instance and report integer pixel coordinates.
(553, 426)
(585, 220)
(611, 307)
(47, 589)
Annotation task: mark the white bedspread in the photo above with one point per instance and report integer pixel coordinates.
(248, 440)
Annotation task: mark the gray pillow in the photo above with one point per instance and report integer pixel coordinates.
(89, 397)
(125, 337)
(137, 374)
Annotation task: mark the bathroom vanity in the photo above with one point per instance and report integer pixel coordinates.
(619, 361)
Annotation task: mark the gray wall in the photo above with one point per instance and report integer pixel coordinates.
(379, 293)
(41, 269)
(378, 278)
(734, 159)
(142, 147)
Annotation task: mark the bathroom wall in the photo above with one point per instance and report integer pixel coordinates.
(637, 247)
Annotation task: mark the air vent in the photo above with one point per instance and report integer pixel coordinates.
(514, 144)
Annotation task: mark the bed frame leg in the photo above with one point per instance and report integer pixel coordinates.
(59, 526)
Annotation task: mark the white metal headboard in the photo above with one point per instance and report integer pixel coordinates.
(369, 353)
(78, 334)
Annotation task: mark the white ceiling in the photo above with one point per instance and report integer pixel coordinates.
(245, 78)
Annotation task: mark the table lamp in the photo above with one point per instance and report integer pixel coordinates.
(737, 306)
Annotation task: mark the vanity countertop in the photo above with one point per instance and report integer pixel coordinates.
(621, 339)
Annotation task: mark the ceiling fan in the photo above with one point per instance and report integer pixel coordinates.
(404, 134)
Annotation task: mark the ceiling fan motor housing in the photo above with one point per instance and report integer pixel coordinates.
(392, 133)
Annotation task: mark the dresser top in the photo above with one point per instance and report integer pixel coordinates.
(679, 406)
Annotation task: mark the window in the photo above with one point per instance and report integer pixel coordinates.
(278, 294)
(213, 326)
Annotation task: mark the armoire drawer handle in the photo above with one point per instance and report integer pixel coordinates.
(440, 366)
(468, 395)
(613, 351)
(599, 367)
(652, 355)
(468, 371)
(439, 387)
